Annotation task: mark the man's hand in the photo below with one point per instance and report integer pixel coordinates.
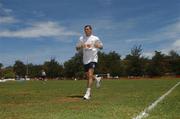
(79, 46)
(88, 46)
(98, 45)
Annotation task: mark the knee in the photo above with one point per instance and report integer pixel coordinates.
(90, 75)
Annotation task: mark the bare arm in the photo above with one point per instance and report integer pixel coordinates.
(98, 44)
(79, 45)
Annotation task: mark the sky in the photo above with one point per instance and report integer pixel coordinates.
(39, 30)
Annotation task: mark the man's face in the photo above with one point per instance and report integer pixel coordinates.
(87, 31)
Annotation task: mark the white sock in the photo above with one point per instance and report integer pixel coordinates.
(88, 90)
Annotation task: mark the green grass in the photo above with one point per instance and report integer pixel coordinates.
(116, 99)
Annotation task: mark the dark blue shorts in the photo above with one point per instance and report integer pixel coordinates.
(91, 65)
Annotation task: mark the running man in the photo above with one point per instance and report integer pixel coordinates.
(43, 75)
(90, 45)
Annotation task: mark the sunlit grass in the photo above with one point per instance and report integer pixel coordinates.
(116, 99)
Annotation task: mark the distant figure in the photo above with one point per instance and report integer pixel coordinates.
(43, 75)
(17, 77)
(90, 46)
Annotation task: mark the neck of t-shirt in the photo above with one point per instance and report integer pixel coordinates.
(88, 36)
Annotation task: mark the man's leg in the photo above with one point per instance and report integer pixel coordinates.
(90, 78)
(90, 75)
(98, 81)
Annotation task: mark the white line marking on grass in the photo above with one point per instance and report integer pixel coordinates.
(145, 114)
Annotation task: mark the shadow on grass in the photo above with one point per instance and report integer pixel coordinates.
(75, 96)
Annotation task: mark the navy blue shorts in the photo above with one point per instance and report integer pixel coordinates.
(91, 65)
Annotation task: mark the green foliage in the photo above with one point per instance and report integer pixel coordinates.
(53, 69)
(34, 70)
(74, 66)
(1, 65)
(19, 68)
(109, 63)
(156, 66)
(8, 73)
(134, 64)
(174, 62)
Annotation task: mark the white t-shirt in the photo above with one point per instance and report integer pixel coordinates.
(90, 54)
(43, 73)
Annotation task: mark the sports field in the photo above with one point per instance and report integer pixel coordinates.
(116, 99)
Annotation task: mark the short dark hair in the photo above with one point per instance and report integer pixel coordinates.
(88, 26)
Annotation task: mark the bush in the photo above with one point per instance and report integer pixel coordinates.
(8, 73)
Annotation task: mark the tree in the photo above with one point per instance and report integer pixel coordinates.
(34, 71)
(1, 65)
(134, 62)
(102, 63)
(157, 66)
(109, 63)
(53, 69)
(174, 62)
(74, 66)
(173, 54)
(19, 68)
(8, 72)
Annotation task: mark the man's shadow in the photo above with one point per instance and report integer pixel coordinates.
(75, 96)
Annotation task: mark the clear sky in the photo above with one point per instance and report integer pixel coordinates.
(39, 30)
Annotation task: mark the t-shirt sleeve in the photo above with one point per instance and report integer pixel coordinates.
(99, 41)
(80, 42)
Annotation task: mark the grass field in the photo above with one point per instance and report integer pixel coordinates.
(116, 99)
